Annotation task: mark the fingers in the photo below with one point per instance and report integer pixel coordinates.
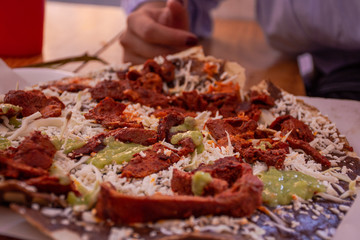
(148, 29)
(136, 50)
(154, 31)
(129, 40)
(178, 15)
(134, 59)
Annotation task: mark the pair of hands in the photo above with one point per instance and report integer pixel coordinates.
(156, 28)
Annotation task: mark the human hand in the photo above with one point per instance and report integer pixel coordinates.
(156, 28)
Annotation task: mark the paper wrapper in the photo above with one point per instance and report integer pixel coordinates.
(9, 79)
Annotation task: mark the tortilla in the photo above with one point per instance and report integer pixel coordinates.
(316, 218)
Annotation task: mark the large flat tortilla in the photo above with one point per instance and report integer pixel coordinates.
(316, 219)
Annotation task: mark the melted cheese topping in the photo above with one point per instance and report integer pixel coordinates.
(87, 176)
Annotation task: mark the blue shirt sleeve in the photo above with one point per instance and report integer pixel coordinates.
(200, 18)
(131, 5)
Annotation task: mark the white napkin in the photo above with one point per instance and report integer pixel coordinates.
(9, 79)
(350, 225)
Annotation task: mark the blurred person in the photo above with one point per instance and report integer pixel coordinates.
(326, 29)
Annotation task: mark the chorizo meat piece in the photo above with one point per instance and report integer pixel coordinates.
(161, 113)
(224, 102)
(225, 172)
(135, 135)
(236, 141)
(151, 161)
(288, 123)
(308, 149)
(106, 109)
(248, 109)
(247, 126)
(151, 81)
(151, 66)
(166, 123)
(218, 128)
(252, 108)
(192, 101)
(237, 121)
(109, 114)
(17, 170)
(72, 87)
(147, 97)
(95, 144)
(32, 158)
(110, 88)
(181, 183)
(243, 107)
(187, 146)
(132, 75)
(240, 200)
(33, 101)
(50, 184)
(215, 187)
(166, 70)
(26, 196)
(228, 87)
(272, 157)
(36, 151)
(129, 90)
(227, 168)
(73, 84)
(270, 152)
(261, 100)
(254, 112)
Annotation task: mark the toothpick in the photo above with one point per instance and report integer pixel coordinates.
(68, 117)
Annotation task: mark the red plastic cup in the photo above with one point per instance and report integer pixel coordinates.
(21, 27)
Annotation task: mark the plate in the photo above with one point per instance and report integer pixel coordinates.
(23, 77)
(39, 75)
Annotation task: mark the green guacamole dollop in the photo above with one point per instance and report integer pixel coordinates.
(6, 107)
(199, 181)
(280, 186)
(189, 124)
(115, 152)
(4, 143)
(71, 144)
(196, 136)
